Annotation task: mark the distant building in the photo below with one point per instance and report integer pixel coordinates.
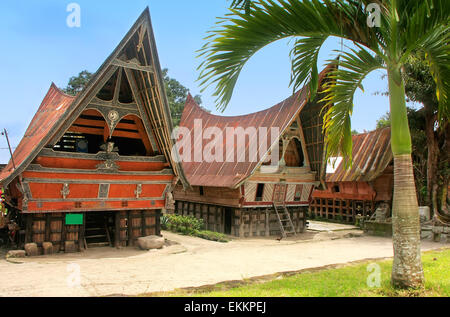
(360, 189)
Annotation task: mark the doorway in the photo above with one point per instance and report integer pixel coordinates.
(98, 229)
(228, 220)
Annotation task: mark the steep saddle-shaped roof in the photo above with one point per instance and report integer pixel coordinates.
(371, 155)
(136, 59)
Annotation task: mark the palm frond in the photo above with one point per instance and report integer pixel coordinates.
(239, 36)
(419, 20)
(242, 5)
(437, 53)
(304, 57)
(339, 91)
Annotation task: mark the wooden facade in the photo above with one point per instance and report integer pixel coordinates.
(255, 198)
(101, 157)
(360, 189)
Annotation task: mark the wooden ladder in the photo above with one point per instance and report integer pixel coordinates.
(100, 235)
(284, 219)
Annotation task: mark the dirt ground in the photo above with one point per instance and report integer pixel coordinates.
(187, 262)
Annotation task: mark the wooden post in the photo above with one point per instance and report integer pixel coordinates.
(117, 231)
(130, 229)
(158, 222)
(81, 230)
(47, 227)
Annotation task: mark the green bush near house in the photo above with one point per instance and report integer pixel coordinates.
(191, 226)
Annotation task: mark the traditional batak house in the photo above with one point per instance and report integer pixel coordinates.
(95, 169)
(362, 188)
(245, 197)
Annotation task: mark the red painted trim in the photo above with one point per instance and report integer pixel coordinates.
(93, 206)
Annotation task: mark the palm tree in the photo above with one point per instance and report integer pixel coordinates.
(404, 26)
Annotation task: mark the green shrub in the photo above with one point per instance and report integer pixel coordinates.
(189, 225)
(211, 235)
(164, 222)
(184, 224)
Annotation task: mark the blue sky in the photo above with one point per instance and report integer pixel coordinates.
(38, 48)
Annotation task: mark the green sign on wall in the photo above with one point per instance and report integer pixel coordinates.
(74, 219)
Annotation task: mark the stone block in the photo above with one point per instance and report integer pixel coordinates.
(150, 242)
(31, 249)
(70, 247)
(16, 254)
(47, 248)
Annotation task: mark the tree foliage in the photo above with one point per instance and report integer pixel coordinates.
(404, 26)
(177, 94)
(77, 83)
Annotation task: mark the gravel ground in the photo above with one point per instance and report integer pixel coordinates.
(187, 262)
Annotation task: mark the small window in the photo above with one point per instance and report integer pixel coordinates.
(201, 191)
(259, 192)
(336, 189)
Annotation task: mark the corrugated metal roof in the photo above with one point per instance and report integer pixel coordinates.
(231, 174)
(52, 108)
(371, 155)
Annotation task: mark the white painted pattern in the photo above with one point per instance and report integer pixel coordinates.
(250, 191)
(290, 192)
(268, 192)
(306, 191)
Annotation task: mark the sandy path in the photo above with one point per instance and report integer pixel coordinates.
(194, 262)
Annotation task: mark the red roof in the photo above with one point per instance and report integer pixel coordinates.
(371, 155)
(52, 108)
(230, 174)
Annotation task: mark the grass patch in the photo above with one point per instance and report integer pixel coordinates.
(347, 281)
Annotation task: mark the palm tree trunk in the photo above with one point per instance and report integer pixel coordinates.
(407, 266)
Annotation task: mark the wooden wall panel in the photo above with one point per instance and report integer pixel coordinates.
(268, 192)
(250, 191)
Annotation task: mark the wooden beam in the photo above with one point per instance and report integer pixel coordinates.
(144, 138)
(95, 131)
(140, 106)
(115, 100)
(135, 66)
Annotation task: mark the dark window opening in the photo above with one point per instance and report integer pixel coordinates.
(259, 192)
(79, 143)
(336, 189)
(201, 191)
(129, 147)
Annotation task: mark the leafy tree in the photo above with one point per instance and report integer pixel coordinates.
(387, 43)
(421, 87)
(177, 94)
(384, 121)
(77, 83)
(430, 149)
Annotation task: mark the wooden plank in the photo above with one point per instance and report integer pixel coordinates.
(134, 66)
